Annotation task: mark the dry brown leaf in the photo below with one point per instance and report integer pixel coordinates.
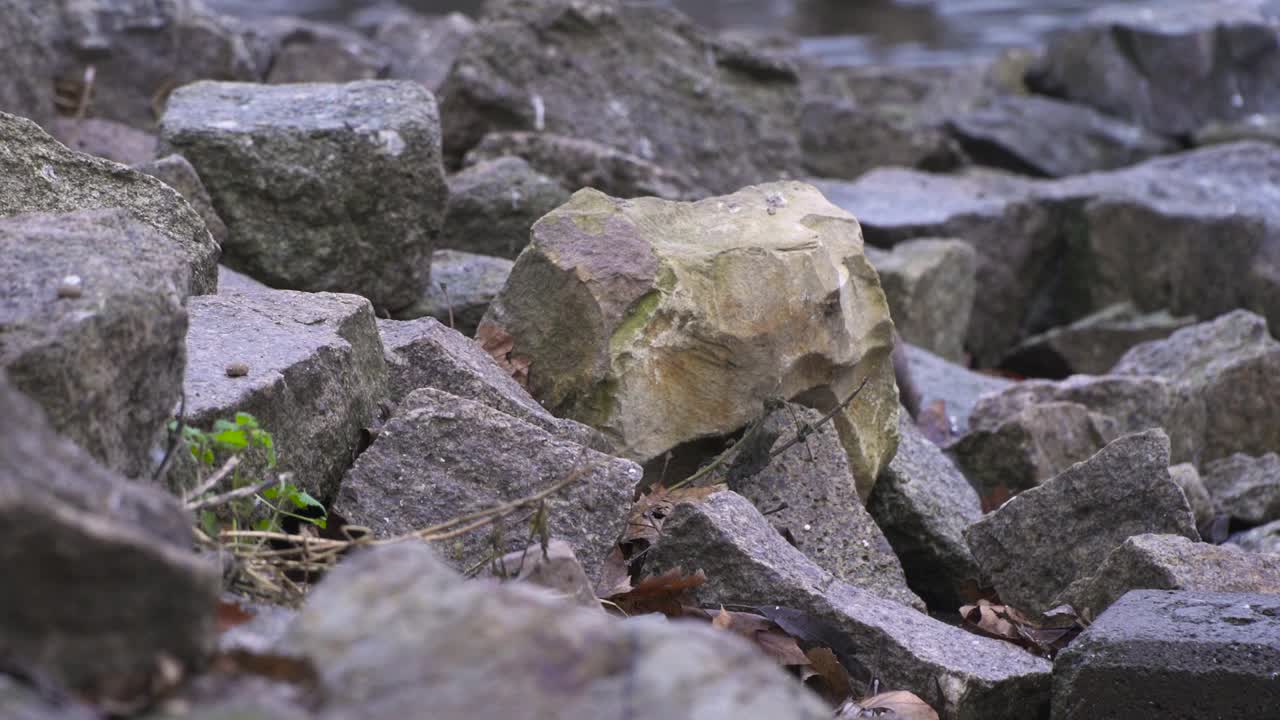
(723, 620)
(760, 631)
(665, 593)
(230, 614)
(830, 679)
(500, 345)
(1045, 636)
(935, 423)
(897, 705)
(615, 575)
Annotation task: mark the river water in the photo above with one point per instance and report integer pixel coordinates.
(847, 32)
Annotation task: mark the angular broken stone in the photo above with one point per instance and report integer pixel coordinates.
(1262, 539)
(421, 48)
(923, 504)
(424, 353)
(747, 563)
(493, 205)
(646, 319)
(1091, 345)
(38, 174)
(806, 494)
(303, 51)
(317, 375)
(66, 521)
(930, 287)
(378, 627)
(1202, 504)
(25, 32)
(1173, 562)
(106, 365)
(956, 388)
(1181, 653)
(1046, 543)
(1246, 488)
(441, 457)
(556, 569)
(107, 139)
(323, 187)
(462, 286)
(177, 173)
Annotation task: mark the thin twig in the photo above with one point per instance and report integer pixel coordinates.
(230, 495)
(175, 438)
(447, 303)
(804, 431)
(212, 481)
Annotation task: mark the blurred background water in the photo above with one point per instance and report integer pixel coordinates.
(846, 32)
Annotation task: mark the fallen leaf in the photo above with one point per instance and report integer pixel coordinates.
(665, 593)
(935, 423)
(230, 614)
(499, 344)
(1045, 636)
(615, 577)
(830, 679)
(760, 631)
(896, 705)
(722, 620)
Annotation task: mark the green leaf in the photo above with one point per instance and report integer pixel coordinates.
(246, 420)
(209, 523)
(264, 524)
(271, 493)
(302, 499)
(234, 439)
(224, 425)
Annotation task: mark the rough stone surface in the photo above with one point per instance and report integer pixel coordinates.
(1260, 127)
(316, 374)
(67, 522)
(378, 627)
(21, 702)
(493, 205)
(106, 366)
(633, 68)
(1046, 543)
(1222, 372)
(1202, 504)
(1091, 345)
(1029, 447)
(578, 163)
(314, 52)
(462, 286)
(26, 30)
(1246, 488)
(1262, 539)
(442, 456)
(421, 48)
(38, 174)
(322, 187)
(141, 50)
(1184, 655)
(231, 282)
(424, 353)
(748, 563)
(645, 319)
(557, 569)
(930, 285)
(177, 173)
(1044, 137)
(807, 493)
(108, 139)
(1172, 562)
(1172, 67)
(956, 387)
(923, 504)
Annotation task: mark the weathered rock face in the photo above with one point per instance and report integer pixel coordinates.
(635, 67)
(465, 634)
(303, 51)
(462, 286)
(1172, 562)
(1091, 345)
(1049, 138)
(1262, 539)
(556, 568)
(177, 173)
(442, 456)
(37, 174)
(1171, 67)
(421, 48)
(1052, 252)
(108, 139)
(1202, 504)
(578, 163)
(1222, 374)
(806, 492)
(126, 546)
(1122, 491)
(1149, 651)
(322, 187)
(26, 31)
(1246, 488)
(957, 388)
(142, 50)
(1029, 447)
(660, 322)
(493, 205)
(424, 353)
(748, 563)
(315, 374)
(930, 285)
(923, 504)
(92, 318)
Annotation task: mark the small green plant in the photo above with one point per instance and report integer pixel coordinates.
(244, 439)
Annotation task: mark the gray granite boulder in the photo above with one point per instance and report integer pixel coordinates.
(578, 163)
(26, 34)
(322, 187)
(1180, 654)
(555, 568)
(421, 48)
(1245, 488)
(177, 173)
(735, 104)
(923, 504)
(957, 388)
(424, 353)
(1042, 547)
(37, 174)
(315, 375)
(462, 286)
(1262, 539)
(304, 51)
(1172, 562)
(1133, 61)
(92, 319)
(394, 631)
(930, 285)
(493, 205)
(1202, 504)
(1044, 137)
(748, 563)
(441, 456)
(71, 530)
(1091, 345)
(103, 138)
